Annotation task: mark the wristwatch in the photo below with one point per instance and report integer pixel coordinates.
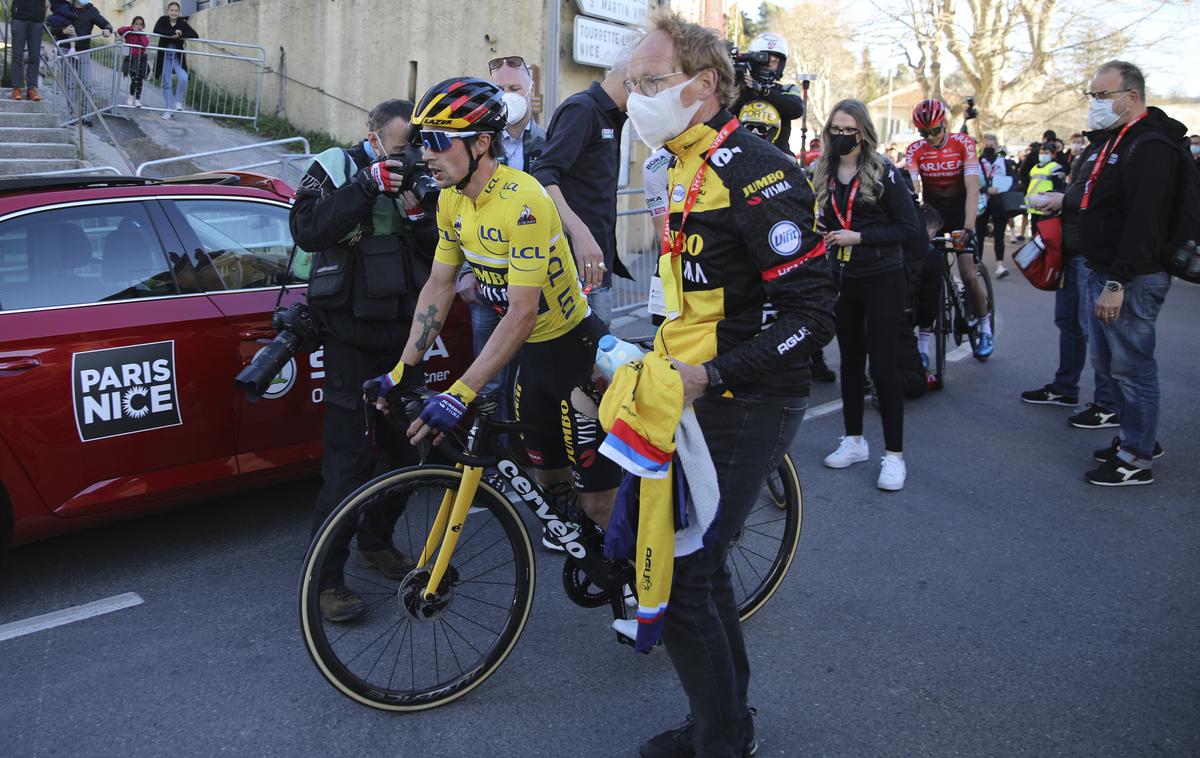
(716, 385)
(1112, 285)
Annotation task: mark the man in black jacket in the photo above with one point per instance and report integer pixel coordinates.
(349, 202)
(1125, 221)
(27, 19)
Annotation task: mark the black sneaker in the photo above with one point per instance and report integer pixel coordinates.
(1094, 417)
(1105, 453)
(677, 742)
(1115, 472)
(1047, 396)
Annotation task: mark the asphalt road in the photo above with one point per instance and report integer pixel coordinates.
(998, 606)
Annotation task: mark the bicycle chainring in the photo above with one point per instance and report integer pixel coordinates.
(580, 589)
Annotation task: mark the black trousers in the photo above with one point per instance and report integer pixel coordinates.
(867, 317)
(999, 224)
(349, 456)
(747, 437)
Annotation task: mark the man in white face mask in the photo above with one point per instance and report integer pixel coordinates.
(748, 298)
(1121, 200)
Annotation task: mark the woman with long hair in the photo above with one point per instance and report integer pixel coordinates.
(868, 213)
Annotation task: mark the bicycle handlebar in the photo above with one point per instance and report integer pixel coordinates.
(414, 402)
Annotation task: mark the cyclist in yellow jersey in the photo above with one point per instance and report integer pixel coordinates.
(504, 225)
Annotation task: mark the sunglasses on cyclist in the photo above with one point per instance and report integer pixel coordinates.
(439, 142)
(935, 131)
(512, 61)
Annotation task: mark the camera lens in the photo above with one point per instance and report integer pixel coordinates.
(256, 378)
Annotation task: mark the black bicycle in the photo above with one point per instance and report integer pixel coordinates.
(954, 319)
(443, 629)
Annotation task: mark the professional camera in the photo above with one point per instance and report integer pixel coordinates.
(416, 176)
(295, 331)
(972, 111)
(754, 64)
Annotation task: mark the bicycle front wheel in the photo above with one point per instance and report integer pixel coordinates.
(409, 653)
(761, 554)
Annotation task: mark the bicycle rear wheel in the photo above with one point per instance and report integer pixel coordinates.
(761, 554)
(407, 653)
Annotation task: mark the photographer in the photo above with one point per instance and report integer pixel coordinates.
(760, 69)
(376, 247)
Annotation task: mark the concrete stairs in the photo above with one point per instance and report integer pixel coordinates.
(31, 140)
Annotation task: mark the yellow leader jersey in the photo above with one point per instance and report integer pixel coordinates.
(512, 235)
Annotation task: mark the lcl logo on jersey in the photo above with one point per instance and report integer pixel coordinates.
(124, 390)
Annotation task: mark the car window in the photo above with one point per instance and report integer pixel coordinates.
(243, 244)
(84, 254)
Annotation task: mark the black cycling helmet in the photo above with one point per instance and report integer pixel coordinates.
(462, 104)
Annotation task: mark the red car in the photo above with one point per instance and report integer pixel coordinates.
(127, 306)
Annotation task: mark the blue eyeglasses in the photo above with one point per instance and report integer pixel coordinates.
(439, 142)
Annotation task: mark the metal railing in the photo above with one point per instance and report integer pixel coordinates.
(72, 171)
(222, 78)
(637, 244)
(281, 161)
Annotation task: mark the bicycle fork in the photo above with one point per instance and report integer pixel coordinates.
(456, 504)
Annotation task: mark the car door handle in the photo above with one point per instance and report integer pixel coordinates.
(257, 333)
(18, 364)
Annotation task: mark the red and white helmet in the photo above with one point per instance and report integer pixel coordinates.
(770, 42)
(928, 114)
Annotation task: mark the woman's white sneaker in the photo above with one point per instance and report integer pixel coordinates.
(850, 450)
(892, 473)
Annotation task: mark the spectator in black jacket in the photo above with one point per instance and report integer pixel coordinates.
(26, 23)
(348, 199)
(172, 31)
(82, 19)
(868, 213)
(1195, 148)
(1124, 211)
(580, 168)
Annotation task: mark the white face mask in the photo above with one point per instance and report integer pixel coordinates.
(1196, 151)
(1101, 114)
(662, 117)
(518, 106)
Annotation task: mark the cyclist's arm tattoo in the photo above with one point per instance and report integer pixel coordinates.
(430, 327)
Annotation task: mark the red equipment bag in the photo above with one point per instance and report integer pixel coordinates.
(1041, 259)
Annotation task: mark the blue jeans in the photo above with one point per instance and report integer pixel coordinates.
(1071, 316)
(1124, 349)
(747, 437)
(483, 322)
(173, 64)
(600, 300)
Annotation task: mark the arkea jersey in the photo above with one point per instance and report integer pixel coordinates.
(942, 170)
(512, 235)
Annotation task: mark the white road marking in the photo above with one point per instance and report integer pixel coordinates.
(69, 615)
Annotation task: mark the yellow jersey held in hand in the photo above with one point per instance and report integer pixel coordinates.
(512, 235)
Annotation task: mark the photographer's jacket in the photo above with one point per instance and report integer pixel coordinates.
(751, 288)
(786, 98)
(372, 256)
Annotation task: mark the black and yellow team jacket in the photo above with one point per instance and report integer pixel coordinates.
(752, 287)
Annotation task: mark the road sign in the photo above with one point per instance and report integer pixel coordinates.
(624, 11)
(597, 43)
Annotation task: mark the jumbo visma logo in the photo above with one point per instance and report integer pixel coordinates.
(125, 390)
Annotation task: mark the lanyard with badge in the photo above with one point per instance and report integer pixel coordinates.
(843, 252)
(1102, 159)
(674, 247)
